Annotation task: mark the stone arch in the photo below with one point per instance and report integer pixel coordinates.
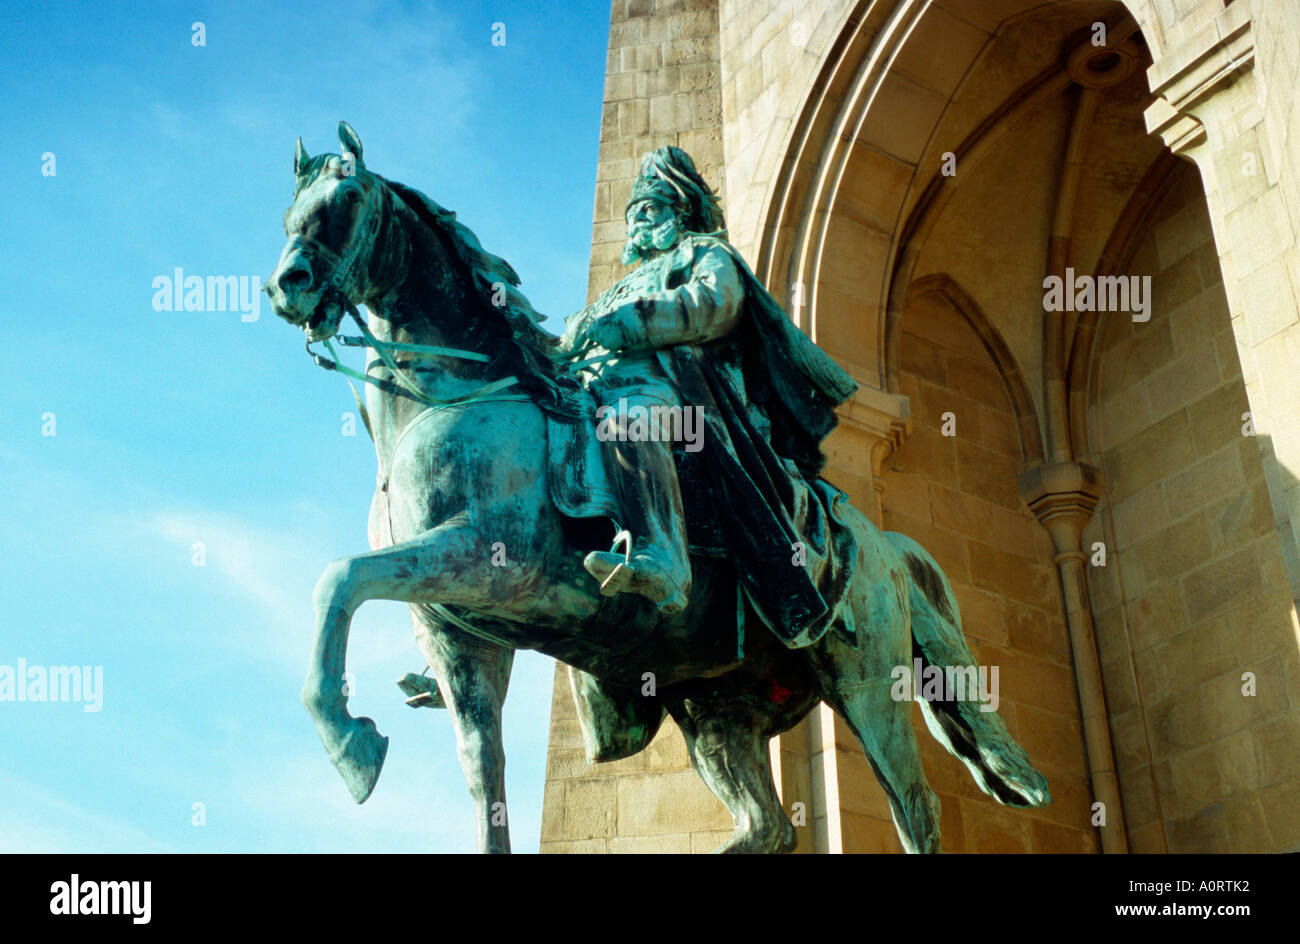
(854, 216)
(849, 178)
(955, 490)
(1022, 404)
(860, 195)
(802, 196)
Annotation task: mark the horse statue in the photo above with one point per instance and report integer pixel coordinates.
(462, 386)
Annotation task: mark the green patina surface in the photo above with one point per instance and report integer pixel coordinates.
(481, 420)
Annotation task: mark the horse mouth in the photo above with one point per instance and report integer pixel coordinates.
(322, 323)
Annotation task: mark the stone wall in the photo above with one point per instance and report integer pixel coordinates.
(1226, 85)
(1261, 232)
(1198, 520)
(770, 51)
(662, 86)
(651, 802)
(1194, 591)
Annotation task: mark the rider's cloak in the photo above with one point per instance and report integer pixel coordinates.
(753, 493)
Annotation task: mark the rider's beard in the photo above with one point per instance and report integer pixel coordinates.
(645, 241)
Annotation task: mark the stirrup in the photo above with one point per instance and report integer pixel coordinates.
(422, 689)
(621, 575)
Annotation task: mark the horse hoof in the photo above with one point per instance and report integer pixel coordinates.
(758, 842)
(360, 758)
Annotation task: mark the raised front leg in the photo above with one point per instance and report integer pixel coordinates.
(473, 676)
(355, 746)
(448, 564)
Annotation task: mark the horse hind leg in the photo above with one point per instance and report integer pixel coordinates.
(856, 679)
(884, 729)
(733, 761)
(473, 676)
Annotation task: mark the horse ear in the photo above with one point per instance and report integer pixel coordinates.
(350, 141)
(300, 159)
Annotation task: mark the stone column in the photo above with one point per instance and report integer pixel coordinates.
(1062, 496)
(662, 86)
(1214, 108)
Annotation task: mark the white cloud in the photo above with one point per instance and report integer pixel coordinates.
(48, 823)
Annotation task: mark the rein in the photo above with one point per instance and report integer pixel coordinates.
(385, 348)
(345, 283)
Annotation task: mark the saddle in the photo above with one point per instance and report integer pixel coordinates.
(579, 485)
(819, 539)
(577, 481)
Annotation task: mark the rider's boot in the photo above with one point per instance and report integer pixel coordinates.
(659, 566)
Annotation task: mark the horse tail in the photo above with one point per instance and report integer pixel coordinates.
(968, 729)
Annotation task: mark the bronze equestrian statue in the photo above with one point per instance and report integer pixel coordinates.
(742, 589)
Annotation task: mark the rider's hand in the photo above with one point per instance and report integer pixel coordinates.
(617, 331)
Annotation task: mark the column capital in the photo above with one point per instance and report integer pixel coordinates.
(1180, 132)
(1187, 75)
(885, 418)
(1062, 496)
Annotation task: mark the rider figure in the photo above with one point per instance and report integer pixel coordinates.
(656, 333)
(621, 332)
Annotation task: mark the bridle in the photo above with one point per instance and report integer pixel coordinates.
(346, 282)
(346, 275)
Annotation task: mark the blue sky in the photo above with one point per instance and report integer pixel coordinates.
(172, 428)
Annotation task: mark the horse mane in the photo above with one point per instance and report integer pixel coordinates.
(528, 347)
(489, 271)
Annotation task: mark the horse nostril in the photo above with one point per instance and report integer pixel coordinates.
(297, 279)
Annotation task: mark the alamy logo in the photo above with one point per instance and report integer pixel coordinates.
(639, 423)
(181, 292)
(1106, 293)
(946, 683)
(76, 897)
(69, 683)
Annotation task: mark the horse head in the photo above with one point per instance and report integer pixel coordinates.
(341, 245)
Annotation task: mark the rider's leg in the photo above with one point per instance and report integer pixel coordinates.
(640, 461)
